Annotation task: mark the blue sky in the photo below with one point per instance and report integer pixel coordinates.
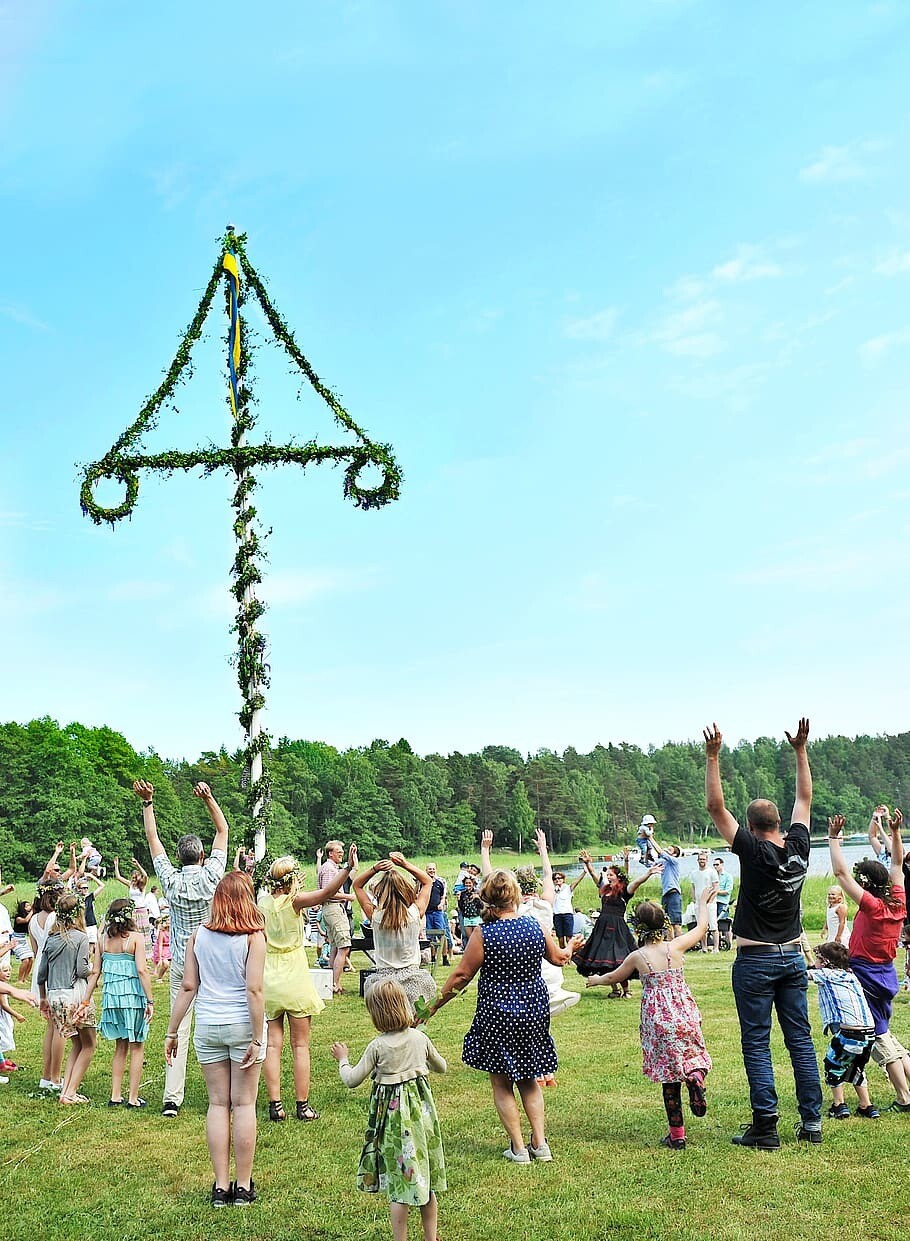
(626, 285)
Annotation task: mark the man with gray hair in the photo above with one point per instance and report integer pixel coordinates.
(189, 889)
(334, 912)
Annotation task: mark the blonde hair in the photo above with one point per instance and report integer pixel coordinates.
(283, 874)
(394, 894)
(499, 893)
(69, 914)
(388, 1007)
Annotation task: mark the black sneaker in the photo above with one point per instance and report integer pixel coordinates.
(761, 1134)
(220, 1197)
(807, 1135)
(674, 1144)
(138, 1103)
(244, 1197)
(839, 1111)
(170, 1110)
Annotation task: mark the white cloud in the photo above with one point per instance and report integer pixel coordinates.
(690, 333)
(836, 164)
(872, 351)
(598, 327)
(21, 314)
(896, 264)
(748, 264)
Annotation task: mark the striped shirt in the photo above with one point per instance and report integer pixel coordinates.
(189, 891)
(841, 1002)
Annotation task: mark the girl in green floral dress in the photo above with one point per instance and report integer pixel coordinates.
(402, 1152)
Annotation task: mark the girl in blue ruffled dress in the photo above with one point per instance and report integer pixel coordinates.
(126, 998)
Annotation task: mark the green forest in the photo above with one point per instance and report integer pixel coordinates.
(62, 783)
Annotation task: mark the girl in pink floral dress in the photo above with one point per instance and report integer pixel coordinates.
(671, 1040)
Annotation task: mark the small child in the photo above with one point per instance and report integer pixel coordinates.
(671, 1039)
(161, 954)
(62, 973)
(847, 1018)
(470, 908)
(126, 998)
(7, 1017)
(402, 1153)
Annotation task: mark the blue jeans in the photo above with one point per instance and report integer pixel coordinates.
(776, 978)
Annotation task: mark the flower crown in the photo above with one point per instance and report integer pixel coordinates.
(647, 934)
(273, 884)
(121, 916)
(70, 915)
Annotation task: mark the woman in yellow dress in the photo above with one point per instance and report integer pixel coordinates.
(287, 985)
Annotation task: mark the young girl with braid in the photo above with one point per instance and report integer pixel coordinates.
(671, 1039)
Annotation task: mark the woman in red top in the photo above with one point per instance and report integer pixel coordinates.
(876, 933)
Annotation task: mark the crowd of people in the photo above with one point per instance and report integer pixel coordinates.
(237, 957)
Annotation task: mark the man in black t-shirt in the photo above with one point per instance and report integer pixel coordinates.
(770, 970)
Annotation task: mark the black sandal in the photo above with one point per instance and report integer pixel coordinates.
(305, 1112)
(276, 1110)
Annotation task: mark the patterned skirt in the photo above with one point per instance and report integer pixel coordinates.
(402, 1151)
(414, 982)
(63, 1005)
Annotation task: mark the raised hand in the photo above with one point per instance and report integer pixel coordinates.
(397, 857)
(486, 840)
(385, 863)
(713, 740)
(709, 895)
(585, 856)
(352, 857)
(540, 841)
(896, 822)
(836, 825)
(143, 789)
(202, 790)
(801, 736)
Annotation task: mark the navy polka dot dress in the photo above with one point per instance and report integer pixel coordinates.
(510, 1033)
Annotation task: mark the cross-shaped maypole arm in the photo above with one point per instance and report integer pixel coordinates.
(124, 461)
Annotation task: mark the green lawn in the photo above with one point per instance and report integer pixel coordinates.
(93, 1173)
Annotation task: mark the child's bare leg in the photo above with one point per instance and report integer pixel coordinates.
(398, 1213)
(118, 1064)
(137, 1060)
(898, 1078)
(84, 1049)
(862, 1094)
(837, 1095)
(429, 1217)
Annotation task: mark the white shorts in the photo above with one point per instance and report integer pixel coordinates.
(92, 933)
(22, 949)
(214, 1043)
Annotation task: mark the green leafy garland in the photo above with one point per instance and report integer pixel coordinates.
(123, 462)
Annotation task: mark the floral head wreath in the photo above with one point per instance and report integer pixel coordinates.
(882, 890)
(121, 916)
(647, 934)
(70, 915)
(49, 885)
(621, 875)
(527, 880)
(272, 883)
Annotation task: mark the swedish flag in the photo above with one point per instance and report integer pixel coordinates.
(232, 267)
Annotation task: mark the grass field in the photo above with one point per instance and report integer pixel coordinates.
(88, 1172)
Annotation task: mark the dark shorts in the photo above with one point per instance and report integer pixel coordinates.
(847, 1057)
(563, 925)
(672, 903)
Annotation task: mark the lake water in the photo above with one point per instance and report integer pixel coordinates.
(819, 861)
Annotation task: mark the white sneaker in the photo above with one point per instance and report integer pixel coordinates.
(45, 1084)
(516, 1156)
(541, 1152)
(4, 1081)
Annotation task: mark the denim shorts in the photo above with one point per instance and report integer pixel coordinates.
(214, 1043)
(563, 924)
(672, 903)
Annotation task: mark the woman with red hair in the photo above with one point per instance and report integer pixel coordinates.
(224, 965)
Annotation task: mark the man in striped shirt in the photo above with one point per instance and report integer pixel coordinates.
(847, 1018)
(189, 889)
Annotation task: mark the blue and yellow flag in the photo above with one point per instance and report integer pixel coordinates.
(232, 268)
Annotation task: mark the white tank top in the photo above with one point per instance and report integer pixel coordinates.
(221, 998)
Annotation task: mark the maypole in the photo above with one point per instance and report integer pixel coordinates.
(123, 462)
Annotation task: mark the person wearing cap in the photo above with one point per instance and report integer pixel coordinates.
(644, 841)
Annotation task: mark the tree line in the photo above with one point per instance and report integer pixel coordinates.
(62, 783)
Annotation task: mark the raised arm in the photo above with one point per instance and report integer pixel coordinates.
(117, 874)
(547, 890)
(359, 886)
(721, 817)
(422, 899)
(146, 793)
(802, 805)
(304, 900)
(202, 791)
(585, 858)
(683, 943)
(640, 879)
(486, 844)
(140, 868)
(52, 860)
(70, 871)
(876, 830)
(897, 849)
(839, 865)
